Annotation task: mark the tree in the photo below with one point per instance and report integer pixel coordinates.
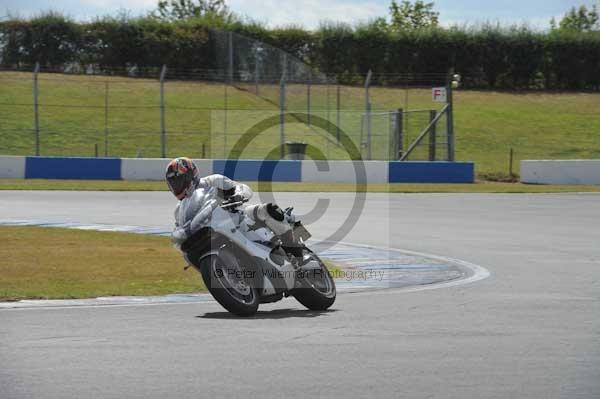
(580, 19)
(184, 9)
(409, 16)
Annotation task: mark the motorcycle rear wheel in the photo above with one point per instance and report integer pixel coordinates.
(230, 289)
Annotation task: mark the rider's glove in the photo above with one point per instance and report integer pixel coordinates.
(181, 234)
(235, 198)
(226, 194)
(178, 236)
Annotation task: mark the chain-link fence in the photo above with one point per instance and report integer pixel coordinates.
(256, 89)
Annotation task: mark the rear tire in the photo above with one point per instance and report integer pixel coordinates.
(237, 295)
(317, 289)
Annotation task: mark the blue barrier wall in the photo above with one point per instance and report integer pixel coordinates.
(73, 168)
(431, 172)
(245, 170)
(257, 170)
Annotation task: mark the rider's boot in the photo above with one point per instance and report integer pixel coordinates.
(275, 219)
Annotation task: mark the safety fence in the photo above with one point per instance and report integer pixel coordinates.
(161, 112)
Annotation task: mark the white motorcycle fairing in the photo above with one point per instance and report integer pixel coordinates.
(273, 273)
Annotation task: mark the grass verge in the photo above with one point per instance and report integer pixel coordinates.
(119, 185)
(55, 263)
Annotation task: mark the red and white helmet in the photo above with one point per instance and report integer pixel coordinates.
(181, 174)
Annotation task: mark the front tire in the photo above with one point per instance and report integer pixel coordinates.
(316, 289)
(227, 283)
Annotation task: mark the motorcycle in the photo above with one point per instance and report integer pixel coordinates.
(243, 263)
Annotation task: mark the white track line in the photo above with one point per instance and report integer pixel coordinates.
(478, 272)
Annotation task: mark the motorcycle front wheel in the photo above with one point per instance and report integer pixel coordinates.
(316, 288)
(227, 282)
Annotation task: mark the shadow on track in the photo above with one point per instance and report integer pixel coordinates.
(273, 314)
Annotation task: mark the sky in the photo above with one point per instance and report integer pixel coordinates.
(310, 13)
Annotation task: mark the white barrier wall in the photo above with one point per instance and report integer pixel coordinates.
(154, 168)
(561, 172)
(344, 171)
(12, 167)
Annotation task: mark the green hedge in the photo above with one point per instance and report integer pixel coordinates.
(488, 57)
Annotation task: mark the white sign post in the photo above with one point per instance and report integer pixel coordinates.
(439, 95)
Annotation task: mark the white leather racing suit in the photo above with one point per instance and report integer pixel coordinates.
(194, 210)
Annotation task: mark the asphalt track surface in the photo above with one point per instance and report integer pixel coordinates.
(531, 330)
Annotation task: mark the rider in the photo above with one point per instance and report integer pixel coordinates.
(198, 198)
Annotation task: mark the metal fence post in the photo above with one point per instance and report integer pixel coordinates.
(256, 71)
(163, 133)
(399, 144)
(106, 118)
(36, 114)
(337, 118)
(368, 113)
(225, 108)
(308, 96)
(432, 135)
(450, 116)
(230, 56)
(328, 101)
(228, 80)
(282, 108)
